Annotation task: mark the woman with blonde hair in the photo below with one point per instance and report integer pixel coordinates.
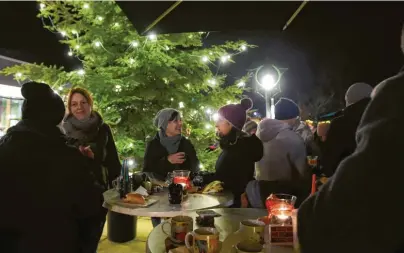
(86, 130)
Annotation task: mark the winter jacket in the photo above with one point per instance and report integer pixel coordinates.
(47, 191)
(105, 155)
(340, 141)
(235, 164)
(156, 164)
(360, 208)
(284, 153)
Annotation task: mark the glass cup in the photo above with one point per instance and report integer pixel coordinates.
(280, 207)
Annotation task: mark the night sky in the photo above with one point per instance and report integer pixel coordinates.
(328, 44)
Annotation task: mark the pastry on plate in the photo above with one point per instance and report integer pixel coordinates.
(134, 198)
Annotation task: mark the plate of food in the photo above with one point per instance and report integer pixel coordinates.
(137, 200)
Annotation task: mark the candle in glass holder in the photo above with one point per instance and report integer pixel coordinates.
(184, 181)
(280, 207)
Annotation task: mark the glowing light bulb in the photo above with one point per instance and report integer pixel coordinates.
(97, 44)
(116, 24)
(215, 116)
(172, 99)
(117, 88)
(212, 81)
(181, 104)
(241, 84)
(70, 53)
(201, 166)
(208, 111)
(223, 58)
(131, 162)
(208, 126)
(243, 47)
(205, 59)
(60, 88)
(134, 43)
(63, 33)
(188, 85)
(152, 36)
(18, 74)
(86, 6)
(81, 72)
(100, 18)
(131, 61)
(77, 46)
(131, 145)
(42, 6)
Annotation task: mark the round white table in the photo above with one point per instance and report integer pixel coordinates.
(227, 223)
(162, 208)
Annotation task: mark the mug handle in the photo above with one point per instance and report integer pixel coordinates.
(187, 237)
(162, 228)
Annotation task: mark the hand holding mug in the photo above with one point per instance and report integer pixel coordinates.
(177, 158)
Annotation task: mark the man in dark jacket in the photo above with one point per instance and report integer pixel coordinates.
(340, 141)
(359, 209)
(240, 151)
(48, 193)
(169, 150)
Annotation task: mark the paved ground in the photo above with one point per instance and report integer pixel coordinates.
(144, 227)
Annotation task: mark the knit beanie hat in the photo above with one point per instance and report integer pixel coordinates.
(236, 114)
(357, 92)
(163, 117)
(286, 109)
(41, 104)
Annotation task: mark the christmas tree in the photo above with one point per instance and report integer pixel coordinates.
(132, 76)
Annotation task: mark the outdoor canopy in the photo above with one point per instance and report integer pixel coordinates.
(208, 16)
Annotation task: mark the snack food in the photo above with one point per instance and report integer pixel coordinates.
(213, 187)
(134, 198)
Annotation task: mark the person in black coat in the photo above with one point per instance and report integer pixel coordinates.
(360, 208)
(235, 165)
(87, 131)
(168, 150)
(340, 141)
(48, 191)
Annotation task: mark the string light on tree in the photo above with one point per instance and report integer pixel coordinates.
(172, 99)
(86, 6)
(77, 46)
(70, 53)
(243, 48)
(42, 6)
(152, 37)
(208, 111)
(116, 24)
(19, 74)
(81, 72)
(131, 61)
(224, 58)
(97, 44)
(212, 81)
(60, 88)
(241, 84)
(205, 58)
(181, 104)
(215, 116)
(208, 126)
(118, 88)
(134, 43)
(100, 18)
(63, 33)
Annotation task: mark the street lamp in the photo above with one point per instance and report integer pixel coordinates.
(268, 82)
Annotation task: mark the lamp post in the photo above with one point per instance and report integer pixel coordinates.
(268, 82)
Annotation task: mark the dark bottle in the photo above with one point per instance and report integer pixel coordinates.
(175, 193)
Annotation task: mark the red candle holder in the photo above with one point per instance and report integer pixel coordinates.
(280, 208)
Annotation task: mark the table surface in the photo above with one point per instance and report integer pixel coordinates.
(227, 224)
(162, 208)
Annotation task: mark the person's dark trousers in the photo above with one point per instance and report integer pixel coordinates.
(96, 226)
(155, 221)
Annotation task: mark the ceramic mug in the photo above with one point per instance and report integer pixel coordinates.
(253, 230)
(249, 247)
(179, 227)
(204, 240)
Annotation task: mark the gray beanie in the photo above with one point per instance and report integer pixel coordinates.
(163, 116)
(357, 92)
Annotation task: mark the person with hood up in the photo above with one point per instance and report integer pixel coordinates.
(235, 165)
(169, 150)
(87, 131)
(340, 141)
(344, 216)
(48, 184)
(283, 167)
(286, 110)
